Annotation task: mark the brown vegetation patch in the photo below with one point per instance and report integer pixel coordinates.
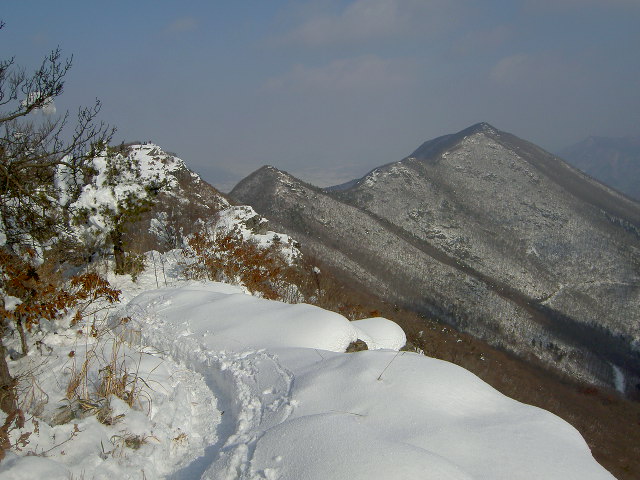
(357, 346)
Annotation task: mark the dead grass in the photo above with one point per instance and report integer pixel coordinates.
(117, 375)
(130, 440)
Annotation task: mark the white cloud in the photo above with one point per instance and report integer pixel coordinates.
(368, 72)
(183, 24)
(365, 20)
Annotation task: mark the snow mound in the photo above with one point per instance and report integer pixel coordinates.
(379, 333)
(252, 389)
(234, 321)
(314, 414)
(403, 415)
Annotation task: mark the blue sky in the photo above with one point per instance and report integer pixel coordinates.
(328, 89)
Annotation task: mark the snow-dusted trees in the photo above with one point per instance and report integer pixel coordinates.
(35, 146)
(116, 191)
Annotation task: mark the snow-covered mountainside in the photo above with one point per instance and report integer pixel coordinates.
(138, 197)
(490, 233)
(184, 202)
(238, 387)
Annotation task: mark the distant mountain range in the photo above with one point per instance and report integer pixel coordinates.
(489, 233)
(614, 161)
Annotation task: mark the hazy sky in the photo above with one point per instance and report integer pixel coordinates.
(329, 89)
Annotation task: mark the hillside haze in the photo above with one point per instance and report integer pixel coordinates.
(614, 161)
(489, 233)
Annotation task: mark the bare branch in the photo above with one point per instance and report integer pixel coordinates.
(33, 149)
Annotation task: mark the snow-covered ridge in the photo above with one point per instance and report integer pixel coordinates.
(303, 412)
(252, 227)
(155, 161)
(247, 388)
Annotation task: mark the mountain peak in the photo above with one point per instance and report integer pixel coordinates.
(481, 127)
(434, 147)
(476, 219)
(266, 172)
(265, 180)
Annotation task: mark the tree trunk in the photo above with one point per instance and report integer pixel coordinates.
(8, 402)
(118, 251)
(23, 335)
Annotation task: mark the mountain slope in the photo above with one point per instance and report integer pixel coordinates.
(200, 349)
(614, 161)
(487, 232)
(246, 388)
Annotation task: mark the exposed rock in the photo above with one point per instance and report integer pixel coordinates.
(357, 346)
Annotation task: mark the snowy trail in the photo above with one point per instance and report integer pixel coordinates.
(292, 406)
(252, 388)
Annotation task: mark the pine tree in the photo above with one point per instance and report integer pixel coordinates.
(115, 195)
(36, 145)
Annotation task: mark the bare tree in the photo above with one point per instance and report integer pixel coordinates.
(37, 150)
(35, 145)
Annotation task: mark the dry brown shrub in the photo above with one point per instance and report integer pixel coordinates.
(229, 257)
(45, 296)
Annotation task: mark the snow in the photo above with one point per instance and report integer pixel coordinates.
(10, 302)
(380, 333)
(176, 401)
(104, 197)
(239, 387)
(371, 178)
(619, 379)
(431, 413)
(233, 321)
(48, 106)
(240, 217)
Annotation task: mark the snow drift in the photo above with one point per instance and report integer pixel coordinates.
(247, 388)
